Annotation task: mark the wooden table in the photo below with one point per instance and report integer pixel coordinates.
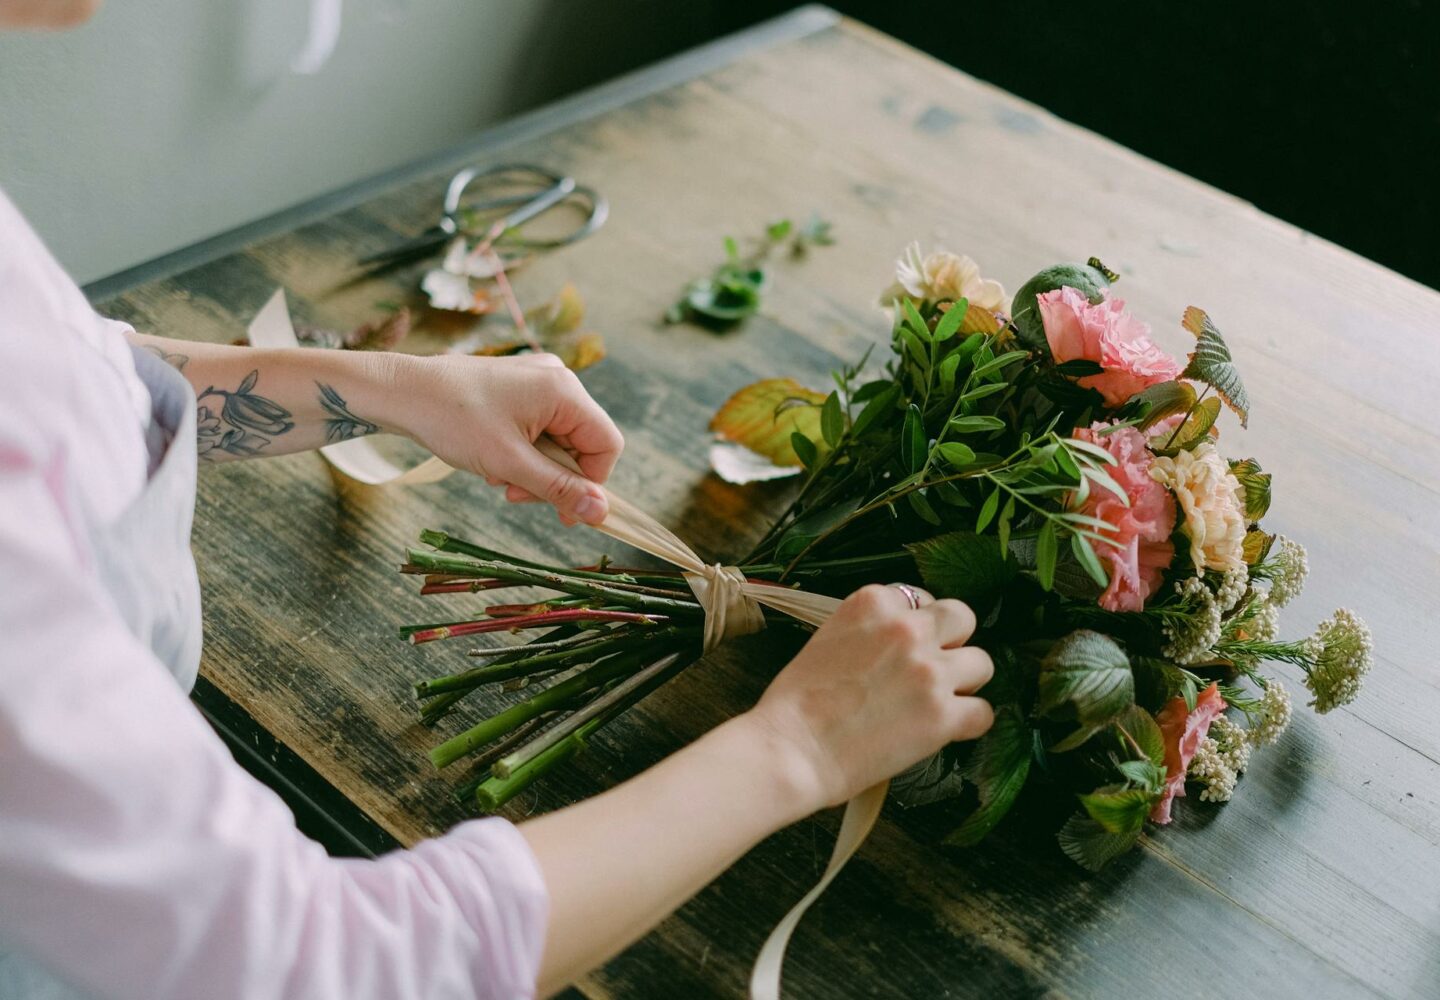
(1321, 878)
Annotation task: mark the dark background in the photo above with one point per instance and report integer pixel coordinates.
(1325, 114)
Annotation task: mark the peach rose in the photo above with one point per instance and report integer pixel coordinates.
(1110, 337)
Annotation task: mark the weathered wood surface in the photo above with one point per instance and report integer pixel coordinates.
(1321, 878)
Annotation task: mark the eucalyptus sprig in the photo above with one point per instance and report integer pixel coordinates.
(734, 291)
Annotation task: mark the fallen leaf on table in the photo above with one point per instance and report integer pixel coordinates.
(762, 417)
(381, 335)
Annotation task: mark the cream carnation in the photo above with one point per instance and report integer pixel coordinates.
(943, 276)
(1209, 497)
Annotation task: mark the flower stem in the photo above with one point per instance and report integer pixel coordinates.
(556, 696)
(515, 622)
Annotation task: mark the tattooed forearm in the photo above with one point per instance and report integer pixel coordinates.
(238, 423)
(176, 361)
(341, 424)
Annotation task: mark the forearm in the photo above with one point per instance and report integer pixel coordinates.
(258, 402)
(617, 864)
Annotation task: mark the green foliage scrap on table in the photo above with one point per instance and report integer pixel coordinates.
(734, 291)
(977, 465)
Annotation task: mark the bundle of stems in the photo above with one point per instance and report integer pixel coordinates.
(602, 640)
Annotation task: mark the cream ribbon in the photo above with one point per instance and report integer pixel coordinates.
(732, 607)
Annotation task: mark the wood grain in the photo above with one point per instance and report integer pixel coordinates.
(1321, 878)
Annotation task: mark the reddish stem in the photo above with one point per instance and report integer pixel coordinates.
(532, 621)
(463, 585)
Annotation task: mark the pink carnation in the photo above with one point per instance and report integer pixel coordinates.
(1139, 551)
(1110, 337)
(1183, 730)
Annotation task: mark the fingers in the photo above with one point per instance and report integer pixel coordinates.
(968, 669)
(954, 622)
(585, 430)
(972, 718)
(574, 497)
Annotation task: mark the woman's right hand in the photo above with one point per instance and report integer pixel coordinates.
(880, 686)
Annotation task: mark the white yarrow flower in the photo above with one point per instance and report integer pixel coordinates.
(1272, 717)
(1232, 743)
(1287, 567)
(1343, 657)
(1209, 768)
(1192, 636)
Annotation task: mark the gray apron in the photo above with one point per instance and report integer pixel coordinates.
(144, 562)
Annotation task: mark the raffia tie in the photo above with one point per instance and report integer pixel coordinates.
(732, 607)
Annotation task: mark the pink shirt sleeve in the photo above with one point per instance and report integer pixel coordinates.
(138, 860)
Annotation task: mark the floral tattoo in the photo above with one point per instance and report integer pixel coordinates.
(245, 422)
(341, 424)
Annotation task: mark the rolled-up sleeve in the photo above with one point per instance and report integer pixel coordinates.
(138, 860)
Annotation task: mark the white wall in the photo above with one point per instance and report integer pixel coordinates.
(165, 121)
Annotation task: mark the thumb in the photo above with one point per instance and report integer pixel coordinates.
(571, 494)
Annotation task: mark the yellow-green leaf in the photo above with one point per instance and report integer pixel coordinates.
(1211, 363)
(762, 417)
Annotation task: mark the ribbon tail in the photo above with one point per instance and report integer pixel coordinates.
(860, 815)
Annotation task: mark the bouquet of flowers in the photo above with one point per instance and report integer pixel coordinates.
(1041, 459)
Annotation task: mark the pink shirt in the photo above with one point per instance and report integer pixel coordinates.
(136, 858)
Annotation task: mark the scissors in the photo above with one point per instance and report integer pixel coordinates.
(524, 190)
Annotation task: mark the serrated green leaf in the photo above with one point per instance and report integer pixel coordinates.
(1255, 486)
(1212, 364)
(1195, 430)
(950, 322)
(998, 767)
(832, 420)
(1090, 845)
(1117, 808)
(987, 510)
(913, 449)
(1164, 400)
(1086, 677)
(1046, 549)
(962, 565)
(1256, 546)
(1143, 773)
(934, 779)
(957, 454)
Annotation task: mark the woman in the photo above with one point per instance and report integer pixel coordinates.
(138, 860)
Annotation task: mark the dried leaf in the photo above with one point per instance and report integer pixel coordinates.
(562, 314)
(762, 417)
(578, 350)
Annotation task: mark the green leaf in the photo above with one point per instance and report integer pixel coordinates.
(961, 565)
(777, 231)
(870, 390)
(732, 249)
(987, 510)
(877, 406)
(1211, 363)
(1025, 311)
(975, 425)
(913, 449)
(1085, 677)
(1079, 368)
(1256, 546)
(1045, 553)
(1164, 400)
(806, 529)
(950, 322)
(957, 454)
(934, 779)
(922, 507)
(950, 493)
(914, 320)
(985, 390)
(1007, 515)
(1090, 845)
(996, 363)
(1119, 809)
(1144, 730)
(915, 347)
(832, 420)
(1144, 773)
(998, 767)
(1195, 430)
(804, 449)
(948, 368)
(1256, 487)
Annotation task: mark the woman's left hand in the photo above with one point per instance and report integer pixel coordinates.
(484, 415)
